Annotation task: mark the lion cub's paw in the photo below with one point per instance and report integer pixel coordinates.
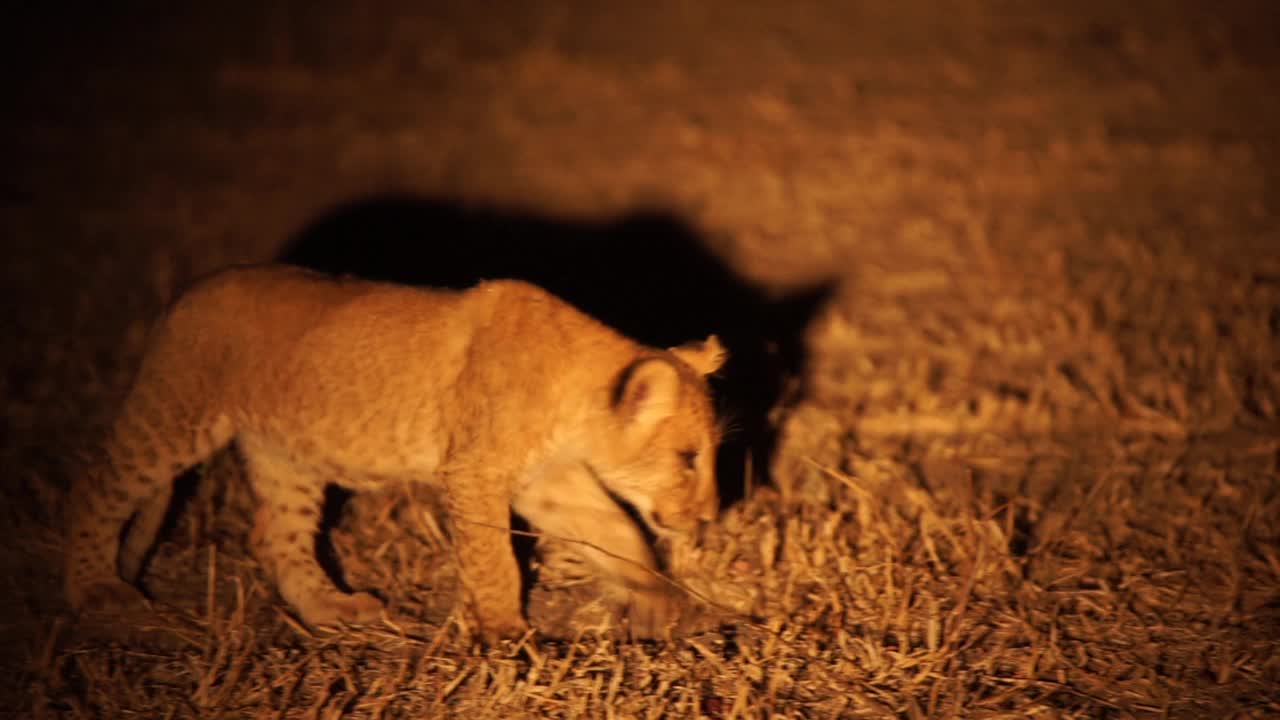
(109, 595)
(334, 608)
(652, 614)
(495, 632)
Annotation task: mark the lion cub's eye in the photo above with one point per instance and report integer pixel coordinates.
(689, 458)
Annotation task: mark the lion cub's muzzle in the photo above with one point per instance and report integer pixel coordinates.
(685, 521)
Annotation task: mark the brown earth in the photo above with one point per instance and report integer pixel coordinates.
(1035, 469)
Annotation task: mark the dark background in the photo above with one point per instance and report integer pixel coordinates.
(1045, 234)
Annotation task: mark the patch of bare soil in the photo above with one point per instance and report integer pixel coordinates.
(1033, 467)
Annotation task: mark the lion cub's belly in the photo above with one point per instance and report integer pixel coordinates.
(355, 460)
(335, 421)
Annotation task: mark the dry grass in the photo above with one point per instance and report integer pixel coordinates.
(995, 526)
(1036, 470)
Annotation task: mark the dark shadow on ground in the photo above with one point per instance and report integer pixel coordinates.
(648, 274)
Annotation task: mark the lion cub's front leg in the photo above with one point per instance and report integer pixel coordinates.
(480, 519)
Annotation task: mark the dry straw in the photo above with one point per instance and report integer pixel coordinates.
(1002, 497)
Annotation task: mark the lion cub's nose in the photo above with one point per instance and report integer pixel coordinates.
(678, 523)
(658, 521)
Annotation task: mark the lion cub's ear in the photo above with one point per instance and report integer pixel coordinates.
(705, 357)
(648, 392)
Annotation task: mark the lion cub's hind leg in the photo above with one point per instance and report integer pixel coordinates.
(163, 428)
(290, 497)
(143, 532)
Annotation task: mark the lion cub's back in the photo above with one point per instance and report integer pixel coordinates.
(268, 330)
(282, 302)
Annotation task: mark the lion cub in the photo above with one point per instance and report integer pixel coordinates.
(503, 396)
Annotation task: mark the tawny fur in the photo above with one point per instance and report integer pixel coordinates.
(502, 396)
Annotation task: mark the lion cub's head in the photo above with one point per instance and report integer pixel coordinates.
(661, 457)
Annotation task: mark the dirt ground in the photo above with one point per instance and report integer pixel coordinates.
(1035, 467)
